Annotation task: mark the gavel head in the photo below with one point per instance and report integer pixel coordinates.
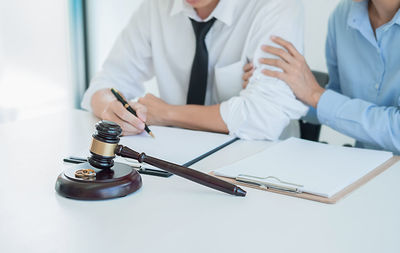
(105, 140)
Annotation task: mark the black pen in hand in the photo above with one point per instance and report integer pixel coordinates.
(129, 108)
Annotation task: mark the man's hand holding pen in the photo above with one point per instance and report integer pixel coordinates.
(130, 124)
(131, 116)
(129, 108)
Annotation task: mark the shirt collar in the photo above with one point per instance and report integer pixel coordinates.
(396, 18)
(359, 17)
(224, 12)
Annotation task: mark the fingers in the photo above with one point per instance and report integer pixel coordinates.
(140, 109)
(245, 83)
(247, 75)
(275, 62)
(248, 67)
(127, 129)
(287, 45)
(129, 122)
(248, 72)
(246, 78)
(274, 74)
(278, 52)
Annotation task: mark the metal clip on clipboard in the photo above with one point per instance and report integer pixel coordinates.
(287, 187)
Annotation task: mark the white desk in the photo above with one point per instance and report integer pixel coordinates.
(175, 215)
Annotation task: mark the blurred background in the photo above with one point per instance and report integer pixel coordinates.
(49, 50)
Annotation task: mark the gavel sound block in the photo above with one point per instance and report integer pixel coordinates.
(100, 178)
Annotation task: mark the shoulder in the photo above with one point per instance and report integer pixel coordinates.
(151, 10)
(278, 3)
(158, 5)
(271, 10)
(163, 4)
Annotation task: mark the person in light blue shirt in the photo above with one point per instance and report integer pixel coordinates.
(362, 99)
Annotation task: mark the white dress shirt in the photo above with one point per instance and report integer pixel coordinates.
(159, 40)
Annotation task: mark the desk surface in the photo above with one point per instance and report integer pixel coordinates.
(175, 215)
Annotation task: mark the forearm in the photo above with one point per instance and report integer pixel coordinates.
(206, 118)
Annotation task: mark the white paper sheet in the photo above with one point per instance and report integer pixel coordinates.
(322, 169)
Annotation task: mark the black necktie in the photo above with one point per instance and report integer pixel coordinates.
(198, 77)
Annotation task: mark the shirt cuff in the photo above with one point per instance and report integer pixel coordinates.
(233, 122)
(328, 105)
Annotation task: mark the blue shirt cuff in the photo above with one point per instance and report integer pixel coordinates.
(328, 105)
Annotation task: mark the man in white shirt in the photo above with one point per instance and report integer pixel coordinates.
(164, 38)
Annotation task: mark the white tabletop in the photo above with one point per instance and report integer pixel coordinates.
(173, 214)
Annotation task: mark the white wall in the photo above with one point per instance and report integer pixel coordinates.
(1, 56)
(106, 19)
(317, 13)
(35, 58)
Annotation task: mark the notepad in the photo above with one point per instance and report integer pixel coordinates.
(309, 167)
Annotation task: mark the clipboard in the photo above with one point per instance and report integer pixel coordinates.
(332, 200)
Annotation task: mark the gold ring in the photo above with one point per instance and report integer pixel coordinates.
(85, 174)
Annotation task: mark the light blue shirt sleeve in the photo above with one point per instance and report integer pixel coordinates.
(362, 120)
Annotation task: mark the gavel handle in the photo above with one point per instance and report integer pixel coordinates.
(190, 174)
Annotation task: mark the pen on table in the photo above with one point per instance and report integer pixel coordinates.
(129, 108)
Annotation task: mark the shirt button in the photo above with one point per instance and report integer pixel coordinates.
(377, 86)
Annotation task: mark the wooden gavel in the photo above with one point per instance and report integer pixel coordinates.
(105, 147)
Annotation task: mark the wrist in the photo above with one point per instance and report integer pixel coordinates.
(170, 115)
(100, 101)
(179, 115)
(316, 96)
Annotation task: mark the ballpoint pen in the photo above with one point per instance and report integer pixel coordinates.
(287, 187)
(129, 108)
